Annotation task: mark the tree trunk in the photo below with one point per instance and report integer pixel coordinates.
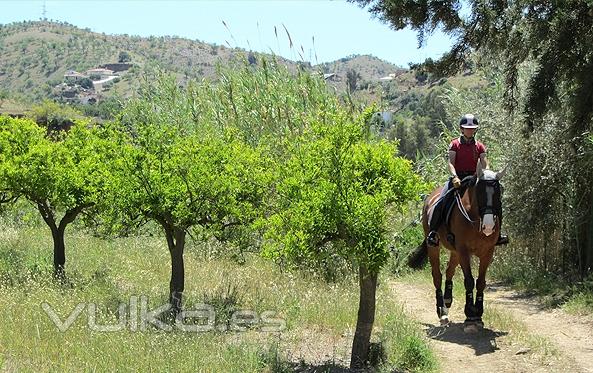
(366, 318)
(587, 227)
(59, 252)
(57, 232)
(584, 232)
(176, 243)
(57, 236)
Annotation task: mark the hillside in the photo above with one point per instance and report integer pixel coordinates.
(58, 61)
(35, 56)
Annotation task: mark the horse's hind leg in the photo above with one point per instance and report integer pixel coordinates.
(437, 279)
(453, 262)
(481, 285)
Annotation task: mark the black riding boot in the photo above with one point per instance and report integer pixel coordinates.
(437, 216)
(433, 238)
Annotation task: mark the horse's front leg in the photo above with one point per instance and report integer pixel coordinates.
(468, 282)
(437, 279)
(481, 285)
(451, 266)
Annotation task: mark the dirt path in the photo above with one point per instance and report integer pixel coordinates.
(493, 350)
(571, 335)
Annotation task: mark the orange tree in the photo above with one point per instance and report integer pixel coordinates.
(332, 196)
(180, 173)
(62, 175)
(200, 155)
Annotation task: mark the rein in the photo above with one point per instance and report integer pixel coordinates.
(462, 209)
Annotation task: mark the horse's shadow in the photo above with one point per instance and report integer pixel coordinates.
(482, 342)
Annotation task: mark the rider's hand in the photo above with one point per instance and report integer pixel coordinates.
(456, 182)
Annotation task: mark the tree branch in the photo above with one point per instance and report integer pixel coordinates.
(72, 214)
(47, 214)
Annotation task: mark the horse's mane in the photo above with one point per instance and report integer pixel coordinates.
(466, 183)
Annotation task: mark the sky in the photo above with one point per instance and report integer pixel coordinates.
(326, 30)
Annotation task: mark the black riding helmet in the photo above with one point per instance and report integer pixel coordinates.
(468, 121)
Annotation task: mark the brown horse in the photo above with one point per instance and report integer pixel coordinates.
(472, 229)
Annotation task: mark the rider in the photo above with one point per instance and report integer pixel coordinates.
(463, 158)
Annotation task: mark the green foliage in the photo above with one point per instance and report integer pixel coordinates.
(263, 104)
(107, 108)
(412, 135)
(200, 155)
(196, 154)
(124, 57)
(352, 78)
(53, 116)
(416, 356)
(60, 175)
(170, 170)
(421, 76)
(65, 173)
(406, 240)
(581, 300)
(332, 196)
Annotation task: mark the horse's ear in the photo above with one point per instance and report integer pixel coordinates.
(500, 174)
(479, 169)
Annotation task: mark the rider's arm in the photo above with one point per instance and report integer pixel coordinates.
(484, 161)
(451, 164)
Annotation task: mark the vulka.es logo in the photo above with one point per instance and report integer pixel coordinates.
(201, 318)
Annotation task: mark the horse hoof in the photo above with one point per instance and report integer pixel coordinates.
(445, 320)
(470, 328)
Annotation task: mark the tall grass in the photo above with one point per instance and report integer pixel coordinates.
(552, 289)
(320, 316)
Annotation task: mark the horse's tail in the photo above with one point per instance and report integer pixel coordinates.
(418, 257)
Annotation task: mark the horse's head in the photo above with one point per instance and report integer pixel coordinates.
(488, 194)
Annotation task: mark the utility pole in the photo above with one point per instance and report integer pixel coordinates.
(44, 12)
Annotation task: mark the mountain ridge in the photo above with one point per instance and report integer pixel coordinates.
(35, 56)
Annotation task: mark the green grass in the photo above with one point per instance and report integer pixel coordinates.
(319, 316)
(552, 290)
(405, 346)
(580, 304)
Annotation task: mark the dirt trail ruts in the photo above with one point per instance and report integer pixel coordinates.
(492, 350)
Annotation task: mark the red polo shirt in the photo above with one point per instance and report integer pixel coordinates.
(467, 154)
